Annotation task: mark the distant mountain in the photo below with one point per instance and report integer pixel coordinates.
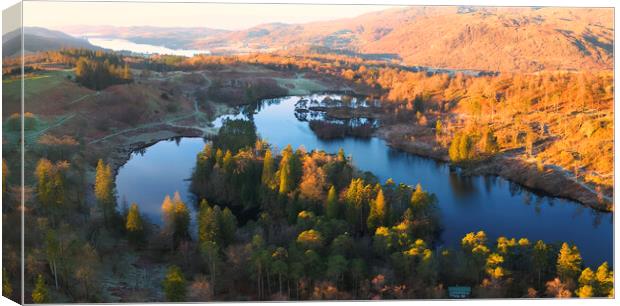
(481, 38)
(498, 39)
(173, 37)
(40, 39)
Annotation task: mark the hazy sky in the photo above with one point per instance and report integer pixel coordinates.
(222, 16)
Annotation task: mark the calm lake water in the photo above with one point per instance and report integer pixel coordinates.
(117, 44)
(467, 204)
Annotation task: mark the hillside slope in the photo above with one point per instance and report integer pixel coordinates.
(40, 39)
(498, 39)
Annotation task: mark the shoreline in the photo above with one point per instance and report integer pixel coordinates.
(551, 183)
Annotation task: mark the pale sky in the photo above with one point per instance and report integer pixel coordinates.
(221, 16)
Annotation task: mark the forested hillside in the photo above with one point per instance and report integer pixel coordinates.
(494, 39)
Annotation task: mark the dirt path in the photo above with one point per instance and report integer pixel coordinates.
(30, 137)
(143, 126)
(200, 117)
(84, 97)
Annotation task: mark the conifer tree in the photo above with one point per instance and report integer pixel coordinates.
(167, 210)
(313, 180)
(604, 280)
(568, 263)
(267, 177)
(332, 208)
(378, 212)
(453, 150)
(181, 218)
(208, 226)
(210, 251)
(134, 224)
(227, 162)
(341, 157)
(219, 158)
(228, 226)
(586, 284)
(540, 260)
(465, 148)
(284, 171)
(174, 285)
(40, 294)
(42, 172)
(104, 191)
(489, 142)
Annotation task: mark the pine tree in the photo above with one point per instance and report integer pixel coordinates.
(586, 284)
(568, 263)
(227, 162)
(604, 280)
(585, 291)
(465, 148)
(488, 142)
(356, 200)
(284, 171)
(228, 226)
(40, 293)
(541, 263)
(219, 158)
(210, 251)
(216, 225)
(181, 218)
(336, 266)
(267, 177)
(332, 207)
(453, 151)
(422, 203)
(42, 172)
(167, 209)
(208, 227)
(134, 225)
(310, 239)
(341, 157)
(174, 285)
(313, 180)
(104, 192)
(378, 212)
(204, 166)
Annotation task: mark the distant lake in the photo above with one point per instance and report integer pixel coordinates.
(117, 44)
(467, 203)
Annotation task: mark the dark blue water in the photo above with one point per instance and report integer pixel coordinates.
(467, 204)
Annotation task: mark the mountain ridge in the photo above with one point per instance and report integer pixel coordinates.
(496, 39)
(502, 39)
(40, 39)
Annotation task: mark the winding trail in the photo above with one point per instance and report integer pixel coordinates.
(200, 117)
(143, 126)
(30, 137)
(84, 97)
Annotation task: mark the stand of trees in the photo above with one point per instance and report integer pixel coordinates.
(318, 229)
(307, 225)
(98, 73)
